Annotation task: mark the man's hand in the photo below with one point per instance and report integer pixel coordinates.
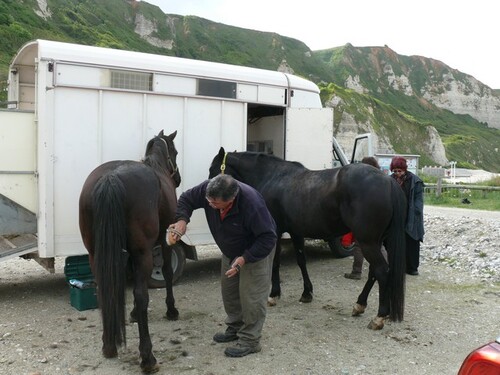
(176, 231)
(235, 267)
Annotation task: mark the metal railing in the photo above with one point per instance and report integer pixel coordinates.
(439, 188)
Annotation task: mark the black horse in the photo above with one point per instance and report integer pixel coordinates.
(326, 204)
(125, 208)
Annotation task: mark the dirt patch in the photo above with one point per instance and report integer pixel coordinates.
(448, 314)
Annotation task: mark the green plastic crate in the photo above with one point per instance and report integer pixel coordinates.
(78, 268)
(83, 299)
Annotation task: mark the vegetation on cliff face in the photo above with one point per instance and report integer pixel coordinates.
(406, 134)
(467, 140)
(397, 111)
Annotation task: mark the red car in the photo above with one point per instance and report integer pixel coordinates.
(485, 360)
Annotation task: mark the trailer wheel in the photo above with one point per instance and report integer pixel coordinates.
(178, 262)
(339, 250)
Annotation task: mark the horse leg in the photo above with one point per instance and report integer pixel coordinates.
(382, 275)
(298, 245)
(378, 271)
(362, 302)
(141, 300)
(275, 276)
(168, 274)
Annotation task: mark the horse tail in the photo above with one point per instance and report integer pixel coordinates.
(396, 252)
(109, 243)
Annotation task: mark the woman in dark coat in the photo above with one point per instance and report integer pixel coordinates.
(413, 188)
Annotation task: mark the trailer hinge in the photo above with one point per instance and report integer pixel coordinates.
(51, 67)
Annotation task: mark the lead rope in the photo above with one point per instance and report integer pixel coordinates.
(223, 165)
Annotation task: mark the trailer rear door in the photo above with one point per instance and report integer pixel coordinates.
(18, 185)
(17, 158)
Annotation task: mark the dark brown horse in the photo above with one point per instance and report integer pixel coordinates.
(326, 204)
(125, 209)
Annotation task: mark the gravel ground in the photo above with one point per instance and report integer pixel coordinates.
(463, 239)
(451, 308)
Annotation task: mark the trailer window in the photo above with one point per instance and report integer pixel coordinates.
(219, 89)
(121, 79)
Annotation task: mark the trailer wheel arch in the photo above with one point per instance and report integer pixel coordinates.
(338, 249)
(178, 263)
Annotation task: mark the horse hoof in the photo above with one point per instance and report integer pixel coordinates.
(150, 369)
(172, 314)
(358, 309)
(377, 323)
(306, 298)
(272, 301)
(109, 353)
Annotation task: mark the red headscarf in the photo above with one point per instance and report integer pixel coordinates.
(399, 162)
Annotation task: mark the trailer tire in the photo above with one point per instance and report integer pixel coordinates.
(339, 250)
(178, 262)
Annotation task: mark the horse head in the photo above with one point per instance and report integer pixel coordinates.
(164, 145)
(217, 162)
(224, 163)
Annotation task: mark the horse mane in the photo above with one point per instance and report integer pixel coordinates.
(155, 163)
(155, 160)
(270, 157)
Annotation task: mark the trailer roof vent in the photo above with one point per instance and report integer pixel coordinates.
(121, 79)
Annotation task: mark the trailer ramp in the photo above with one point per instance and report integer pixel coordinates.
(17, 245)
(17, 229)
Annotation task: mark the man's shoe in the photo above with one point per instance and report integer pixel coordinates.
(412, 273)
(353, 275)
(225, 336)
(241, 350)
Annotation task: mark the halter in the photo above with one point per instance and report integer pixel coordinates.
(223, 165)
(175, 169)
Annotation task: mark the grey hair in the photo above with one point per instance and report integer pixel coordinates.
(223, 187)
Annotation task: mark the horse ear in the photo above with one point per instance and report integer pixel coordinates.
(160, 134)
(222, 152)
(172, 136)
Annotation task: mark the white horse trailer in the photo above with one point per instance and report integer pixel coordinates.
(73, 107)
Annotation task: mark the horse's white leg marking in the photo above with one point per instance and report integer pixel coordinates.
(272, 301)
(377, 323)
(358, 309)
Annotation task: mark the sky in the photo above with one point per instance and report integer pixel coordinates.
(464, 35)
